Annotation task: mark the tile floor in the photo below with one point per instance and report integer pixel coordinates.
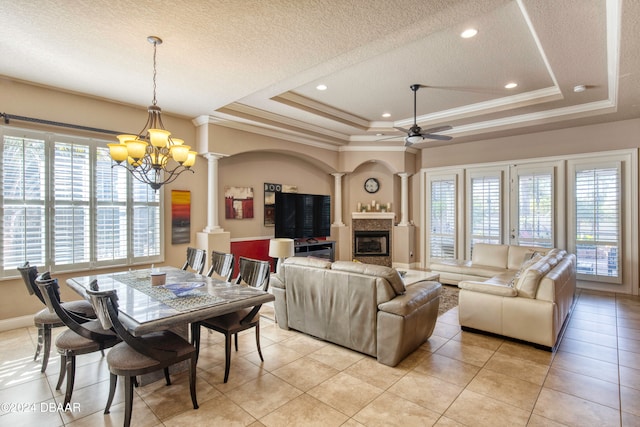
(454, 379)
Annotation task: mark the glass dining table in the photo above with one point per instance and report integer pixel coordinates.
(185, 297)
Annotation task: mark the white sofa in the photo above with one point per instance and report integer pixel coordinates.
(528, 297)
(486, 261)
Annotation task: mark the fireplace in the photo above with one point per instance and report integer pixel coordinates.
(371, 243)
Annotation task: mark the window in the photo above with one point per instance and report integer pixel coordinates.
(65, 208)
(485, 209)
(535, 208)
(443, 217)
(597, 220)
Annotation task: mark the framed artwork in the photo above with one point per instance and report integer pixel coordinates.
(180, 216)
(238, 202)
(270, 191)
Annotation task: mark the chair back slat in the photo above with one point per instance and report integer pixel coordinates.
(105, 304)
(196, 259)
(50, 290)
(221, 264)
(254, 273)
(29, 274)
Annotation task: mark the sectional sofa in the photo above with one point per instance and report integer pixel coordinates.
(519, 292)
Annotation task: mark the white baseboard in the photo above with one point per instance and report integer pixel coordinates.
(16, 323)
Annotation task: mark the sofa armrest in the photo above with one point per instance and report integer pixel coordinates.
(276, 282)
(488, 288)
(407, 321)
(416, 295)
(278, 289)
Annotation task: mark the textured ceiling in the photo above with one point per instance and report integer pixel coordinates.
(254, 65)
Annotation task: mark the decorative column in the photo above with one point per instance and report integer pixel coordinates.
(337, 211)
(404, 199)
(212, 197)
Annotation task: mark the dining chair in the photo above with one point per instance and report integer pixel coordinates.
(139, 355)
(83, 336)
(196, 259)
(44, 319)
(253, 273)
(221, 265)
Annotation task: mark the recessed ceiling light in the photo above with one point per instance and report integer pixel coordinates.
(321, 87)
(379, 134)
(468, 33)
(386, 115)
(579, 88)
(511, 85)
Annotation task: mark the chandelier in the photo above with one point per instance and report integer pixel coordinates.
(153, 156)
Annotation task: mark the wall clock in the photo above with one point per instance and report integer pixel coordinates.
(371, 185)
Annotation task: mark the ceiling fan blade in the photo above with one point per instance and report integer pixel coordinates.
(403, 130)
(438, 137)
(437, 129)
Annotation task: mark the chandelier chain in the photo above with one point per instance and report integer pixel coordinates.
(155, 45)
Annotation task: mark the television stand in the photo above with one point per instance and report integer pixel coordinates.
(320, 249)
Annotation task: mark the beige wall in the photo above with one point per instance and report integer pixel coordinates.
(585, 139)
(253, 170)
(256, 159)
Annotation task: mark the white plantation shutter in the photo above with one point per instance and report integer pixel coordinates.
(71, 196)
(443, 218)
(23, 227)
(597, 221)
(146, 221)
(486, 212)
(111, 209)
(65, 208)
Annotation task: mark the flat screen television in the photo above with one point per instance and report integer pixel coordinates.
(302, 216)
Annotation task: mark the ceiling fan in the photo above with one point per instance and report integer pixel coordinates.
(415, 134)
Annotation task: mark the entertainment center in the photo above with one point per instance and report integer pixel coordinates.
(306, 218)
(320, 249)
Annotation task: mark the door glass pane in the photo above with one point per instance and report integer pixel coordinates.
(443, 218)
(535, 210)
(597, 207)
(486, 217)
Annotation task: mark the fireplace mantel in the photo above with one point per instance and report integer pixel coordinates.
(373, 215)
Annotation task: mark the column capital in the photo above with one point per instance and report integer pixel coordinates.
(213, 156)
(338, 174)
(404, 174)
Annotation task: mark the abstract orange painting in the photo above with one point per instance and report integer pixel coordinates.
(180, 216)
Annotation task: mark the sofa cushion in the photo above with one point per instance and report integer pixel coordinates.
(488, 288)
(490, 255)
(527, 284)
(308, 261)
(519, 254)
(391, 275)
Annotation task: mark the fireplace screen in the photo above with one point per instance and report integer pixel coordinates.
(371, 243)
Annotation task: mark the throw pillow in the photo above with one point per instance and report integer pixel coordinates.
(529, 260)
(528, 282)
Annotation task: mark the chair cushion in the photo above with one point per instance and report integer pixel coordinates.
(46, 317)
(69, 340)
(391, 275)
(231, 321)
(81, 307)
(122, 358)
